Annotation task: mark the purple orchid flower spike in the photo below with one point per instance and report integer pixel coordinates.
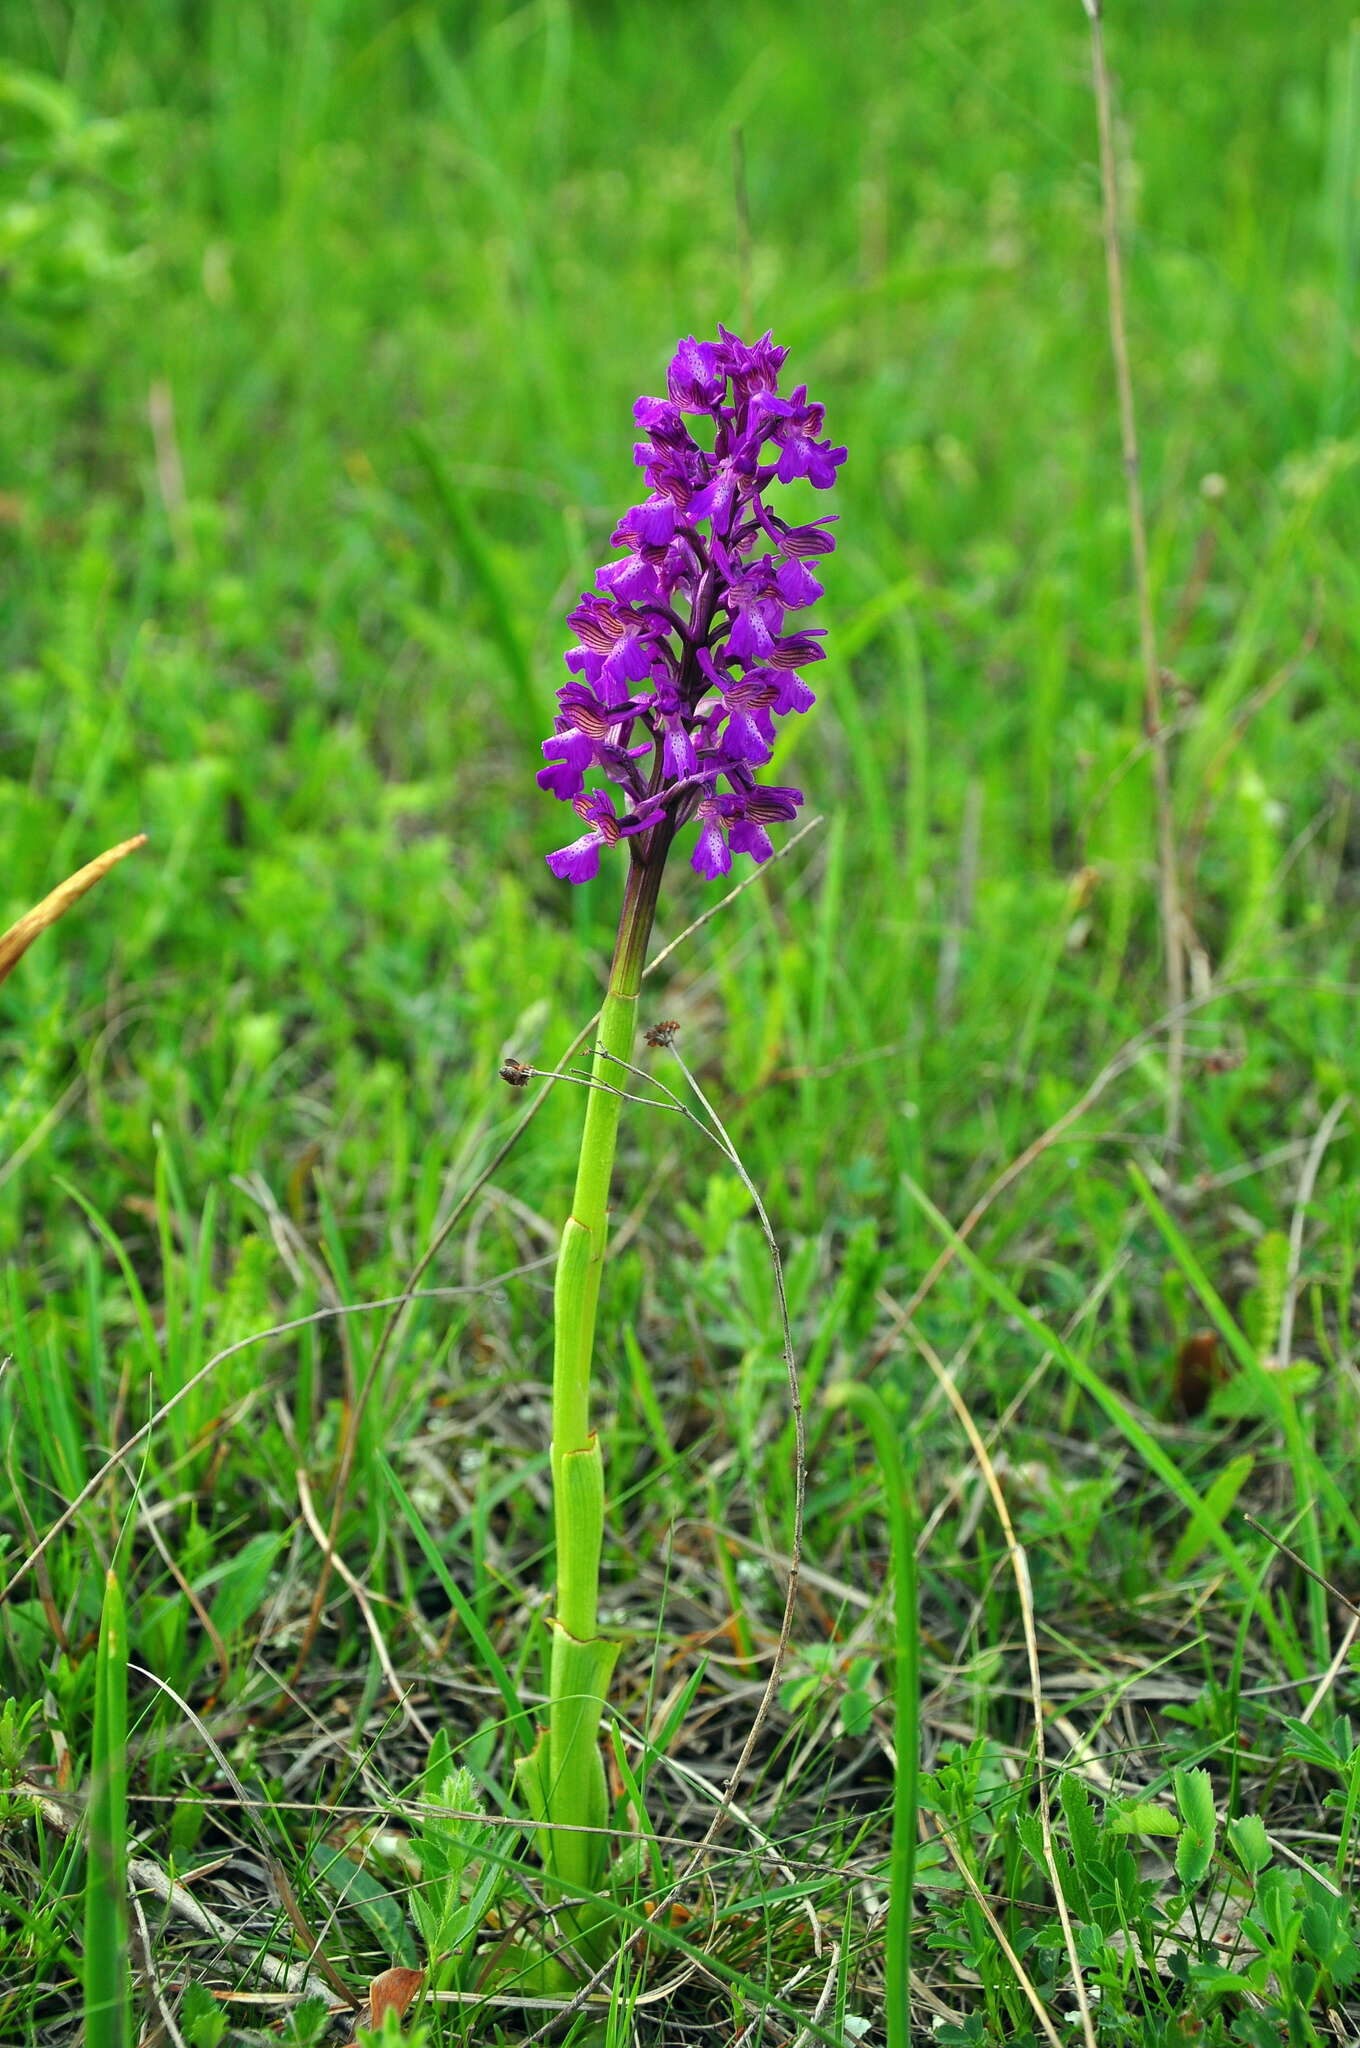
(683, 661)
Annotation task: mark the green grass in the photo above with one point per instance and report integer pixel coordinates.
(322, 327)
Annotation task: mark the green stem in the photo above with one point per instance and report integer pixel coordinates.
(108, 2006)
(572, 1773)
(869, 1405)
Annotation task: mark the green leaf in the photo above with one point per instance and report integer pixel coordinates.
(439, 1767)
(1249, 1842)
(462, 1606)
(1143, 1817)
(380, 1912)
(1082, 1829)
(202, 2020)
(1329, 1750)
(1213, 1982)
(1216, 1504)
(241, 1583)
(857, 1713)
(1244, 1398)
(478, 558)
(1195, 1850)
(530, 1777)
(307, 2024)
(42, 97)
(679, 1709)
(1114, 1407)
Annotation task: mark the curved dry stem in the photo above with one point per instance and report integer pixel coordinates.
(16, 941)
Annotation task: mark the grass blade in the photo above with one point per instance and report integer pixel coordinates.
(108, 1990)
(531, 716)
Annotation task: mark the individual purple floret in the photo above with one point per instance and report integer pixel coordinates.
(682, 662)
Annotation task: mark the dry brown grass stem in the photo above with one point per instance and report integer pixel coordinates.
(1019, 1564)
(1120, 1063)
(119, 1456)
(1168, 870)
(1322, 1691)
(983, 1904)
(738, 1771)
(400, 1693)
(1322, 1138)
(16, 941)
(1300, 1564)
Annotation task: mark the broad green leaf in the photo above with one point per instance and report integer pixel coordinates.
(1243, 1398)
(1195, 1850)
(1143, 1817)
(1249, 1842)
(203, 2021)
(857, 1713)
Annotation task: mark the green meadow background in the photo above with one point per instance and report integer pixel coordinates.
(322, 325)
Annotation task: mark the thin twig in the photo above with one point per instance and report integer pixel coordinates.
(1322, 1138)
(1302, 1563)
(144, 1953)
(1128, 1056)
(799, 1467)
(1338, 1664)
(1168, 876)
(287, 1897)
(160, 413)
(961, 914)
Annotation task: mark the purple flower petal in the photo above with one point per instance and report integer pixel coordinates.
(579, 862)
(632, 580)
(649, 525)
(696, 378)
(679, 757)
(749, 838)
(681, 666)
(629, 662)
(711, 857)
(660, 416)
(797, 585)
(744, 740)
(714, 502)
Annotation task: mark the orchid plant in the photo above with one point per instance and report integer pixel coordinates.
(682, 663)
